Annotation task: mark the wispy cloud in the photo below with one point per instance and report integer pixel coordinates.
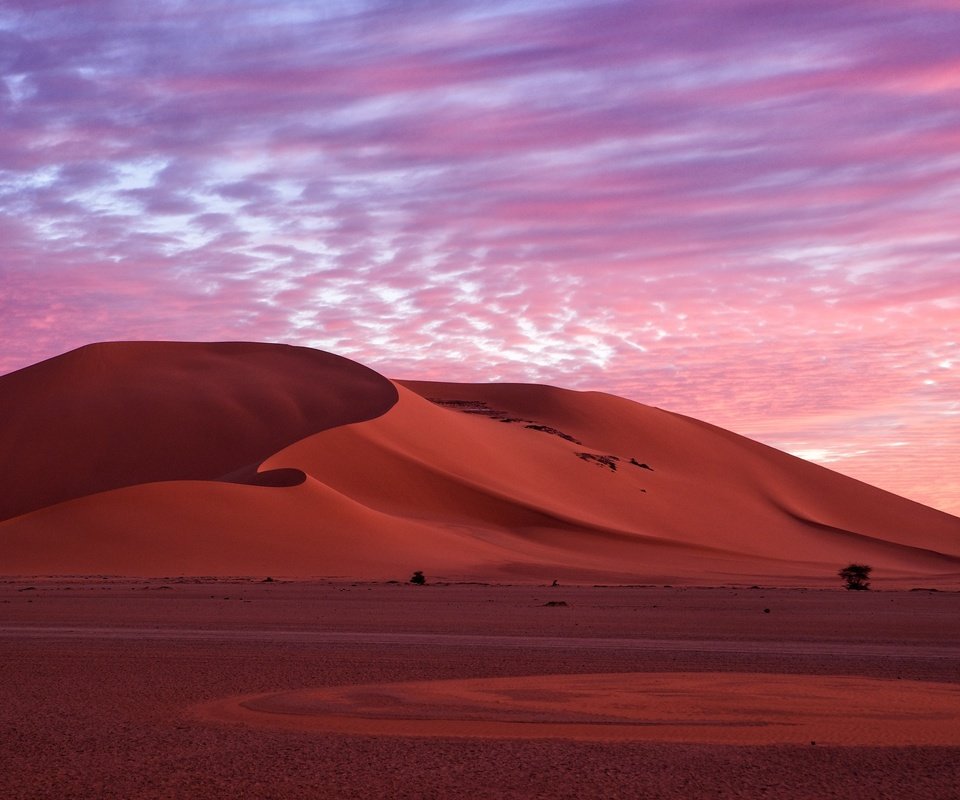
(742, 211)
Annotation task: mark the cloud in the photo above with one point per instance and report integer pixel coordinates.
(742, 211)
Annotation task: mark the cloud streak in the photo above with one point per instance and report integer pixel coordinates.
(741, 211)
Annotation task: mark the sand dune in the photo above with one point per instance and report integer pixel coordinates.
(118, 448)
(124, 413)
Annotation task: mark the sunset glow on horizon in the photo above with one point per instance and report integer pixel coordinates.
(746, 212)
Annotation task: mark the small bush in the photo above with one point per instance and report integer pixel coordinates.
(418, 578)
(855, 576)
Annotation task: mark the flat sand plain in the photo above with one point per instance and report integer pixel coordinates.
(166, 688)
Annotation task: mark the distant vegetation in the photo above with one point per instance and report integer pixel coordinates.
(418, 578)
(855, 576)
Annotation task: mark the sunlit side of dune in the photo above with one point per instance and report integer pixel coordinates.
(374, 479)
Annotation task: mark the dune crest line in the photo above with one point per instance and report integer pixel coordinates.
(165, 458)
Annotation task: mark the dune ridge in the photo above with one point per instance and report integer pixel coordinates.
(118, 414)
(232, 458)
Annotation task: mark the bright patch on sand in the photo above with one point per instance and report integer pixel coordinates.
(705, 707)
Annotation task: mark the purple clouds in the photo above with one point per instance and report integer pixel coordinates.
(744, 211)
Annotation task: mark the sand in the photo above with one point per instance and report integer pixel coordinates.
(110, 689)
(121, 414)
(694, 707)
(130, 467)
(224, 459)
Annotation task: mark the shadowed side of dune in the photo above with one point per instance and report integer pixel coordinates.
(477, 482)
(123, 413)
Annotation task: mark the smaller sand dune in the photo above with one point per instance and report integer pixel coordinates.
(212, 528)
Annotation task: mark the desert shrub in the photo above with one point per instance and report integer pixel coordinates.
(855, 576)
(418, 578)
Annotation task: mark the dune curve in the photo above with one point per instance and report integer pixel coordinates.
(337, 471)
(119, 414)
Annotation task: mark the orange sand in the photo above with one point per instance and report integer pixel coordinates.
(125, 459)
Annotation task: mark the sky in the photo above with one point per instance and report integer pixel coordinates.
(747, 212)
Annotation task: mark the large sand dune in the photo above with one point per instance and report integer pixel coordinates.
(132, 458)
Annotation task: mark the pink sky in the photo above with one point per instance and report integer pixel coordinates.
(748, 212)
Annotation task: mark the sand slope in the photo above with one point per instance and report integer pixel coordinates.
(124, 413)
(374, 479)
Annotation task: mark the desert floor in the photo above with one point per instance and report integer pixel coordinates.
(118, 688)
